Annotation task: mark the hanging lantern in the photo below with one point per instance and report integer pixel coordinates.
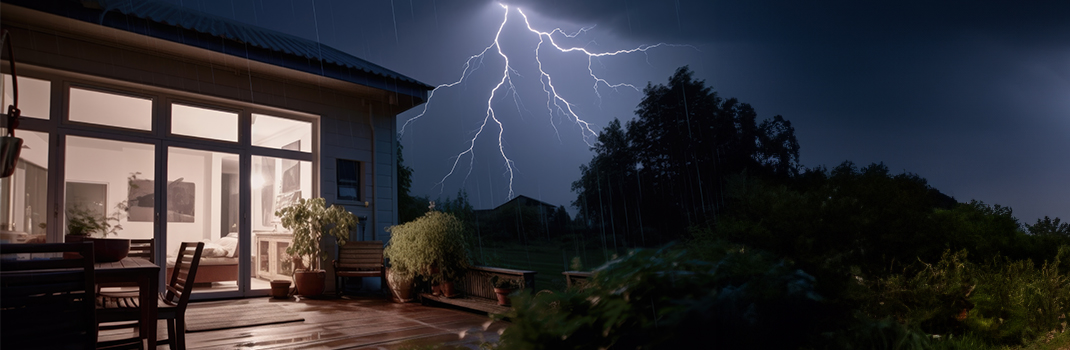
(10, 146)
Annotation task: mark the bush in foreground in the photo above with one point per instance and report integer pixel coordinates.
(665, 299)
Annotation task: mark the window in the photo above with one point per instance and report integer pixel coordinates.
(34, 96)
(281, 133)
(277, 183)
(23, 195)
(103, 108)
(202, 122)
(348, 180)
(110, 181)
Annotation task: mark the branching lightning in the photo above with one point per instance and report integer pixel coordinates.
(555, 102)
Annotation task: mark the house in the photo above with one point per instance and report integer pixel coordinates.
(522, 218)
(184, 126)
(522, 201)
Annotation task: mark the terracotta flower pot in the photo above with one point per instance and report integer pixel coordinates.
(280, 289)
(448, 290)
(310, 283)
(400, 290)
(503, 295)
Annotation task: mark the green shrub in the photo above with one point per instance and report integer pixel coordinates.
(1002, 302)
(664, 299)
(933, 298)
(436, 238)
(1020, 301)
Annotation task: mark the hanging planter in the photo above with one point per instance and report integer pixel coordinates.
(10, 146)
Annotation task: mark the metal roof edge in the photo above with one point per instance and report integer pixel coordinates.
(190, 27)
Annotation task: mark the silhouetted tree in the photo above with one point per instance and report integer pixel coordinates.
(459, 206)
(1048, 235)
(409, 207)
(559, 222)
(1049, 227)
(605, 186)
(666, 172)
(778, 150)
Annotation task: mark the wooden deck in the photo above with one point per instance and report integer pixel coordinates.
(361, 322)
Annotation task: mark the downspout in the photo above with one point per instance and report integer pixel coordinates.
(374, 216)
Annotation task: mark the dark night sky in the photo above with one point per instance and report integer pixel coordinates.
(973, 96)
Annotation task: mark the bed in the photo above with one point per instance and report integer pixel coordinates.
(219, 261)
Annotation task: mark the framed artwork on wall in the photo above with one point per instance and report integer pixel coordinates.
(140, 199)
(181, 201)
(267, 192)
(291, 173)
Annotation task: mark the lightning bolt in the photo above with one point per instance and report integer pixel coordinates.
(555, 102)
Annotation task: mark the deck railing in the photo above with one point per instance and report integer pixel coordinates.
(477, 280)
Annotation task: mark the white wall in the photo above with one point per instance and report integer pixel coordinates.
(194, 167)
(111, 163)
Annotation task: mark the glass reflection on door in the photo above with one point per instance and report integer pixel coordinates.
(276, 183)
(24, 194)
(202, 206)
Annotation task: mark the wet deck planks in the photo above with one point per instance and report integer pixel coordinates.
(350, 323)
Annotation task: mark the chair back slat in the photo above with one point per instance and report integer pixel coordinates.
(358, 259)
(48, 298)
(143, 248)
(360, 255)
(189, 258)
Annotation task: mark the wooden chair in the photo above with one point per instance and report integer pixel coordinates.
(48, 298)
(358, 259)
(171, 305)
(143, 248)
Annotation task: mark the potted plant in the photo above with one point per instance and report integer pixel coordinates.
(83, 223)
(432, 247)
(400, 282)
(404, 254)
(503, 287)
(309, 220)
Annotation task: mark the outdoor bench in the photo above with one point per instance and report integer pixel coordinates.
(476, 291)
(576, 278)
(359, 259)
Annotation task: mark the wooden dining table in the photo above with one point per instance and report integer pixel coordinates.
(147, 276)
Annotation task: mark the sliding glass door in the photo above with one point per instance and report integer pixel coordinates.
(202, 206)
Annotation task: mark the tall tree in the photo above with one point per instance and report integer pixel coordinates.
(604, 186)
(690, 139)
(409, 207)
(778, 150)
(670, 165)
